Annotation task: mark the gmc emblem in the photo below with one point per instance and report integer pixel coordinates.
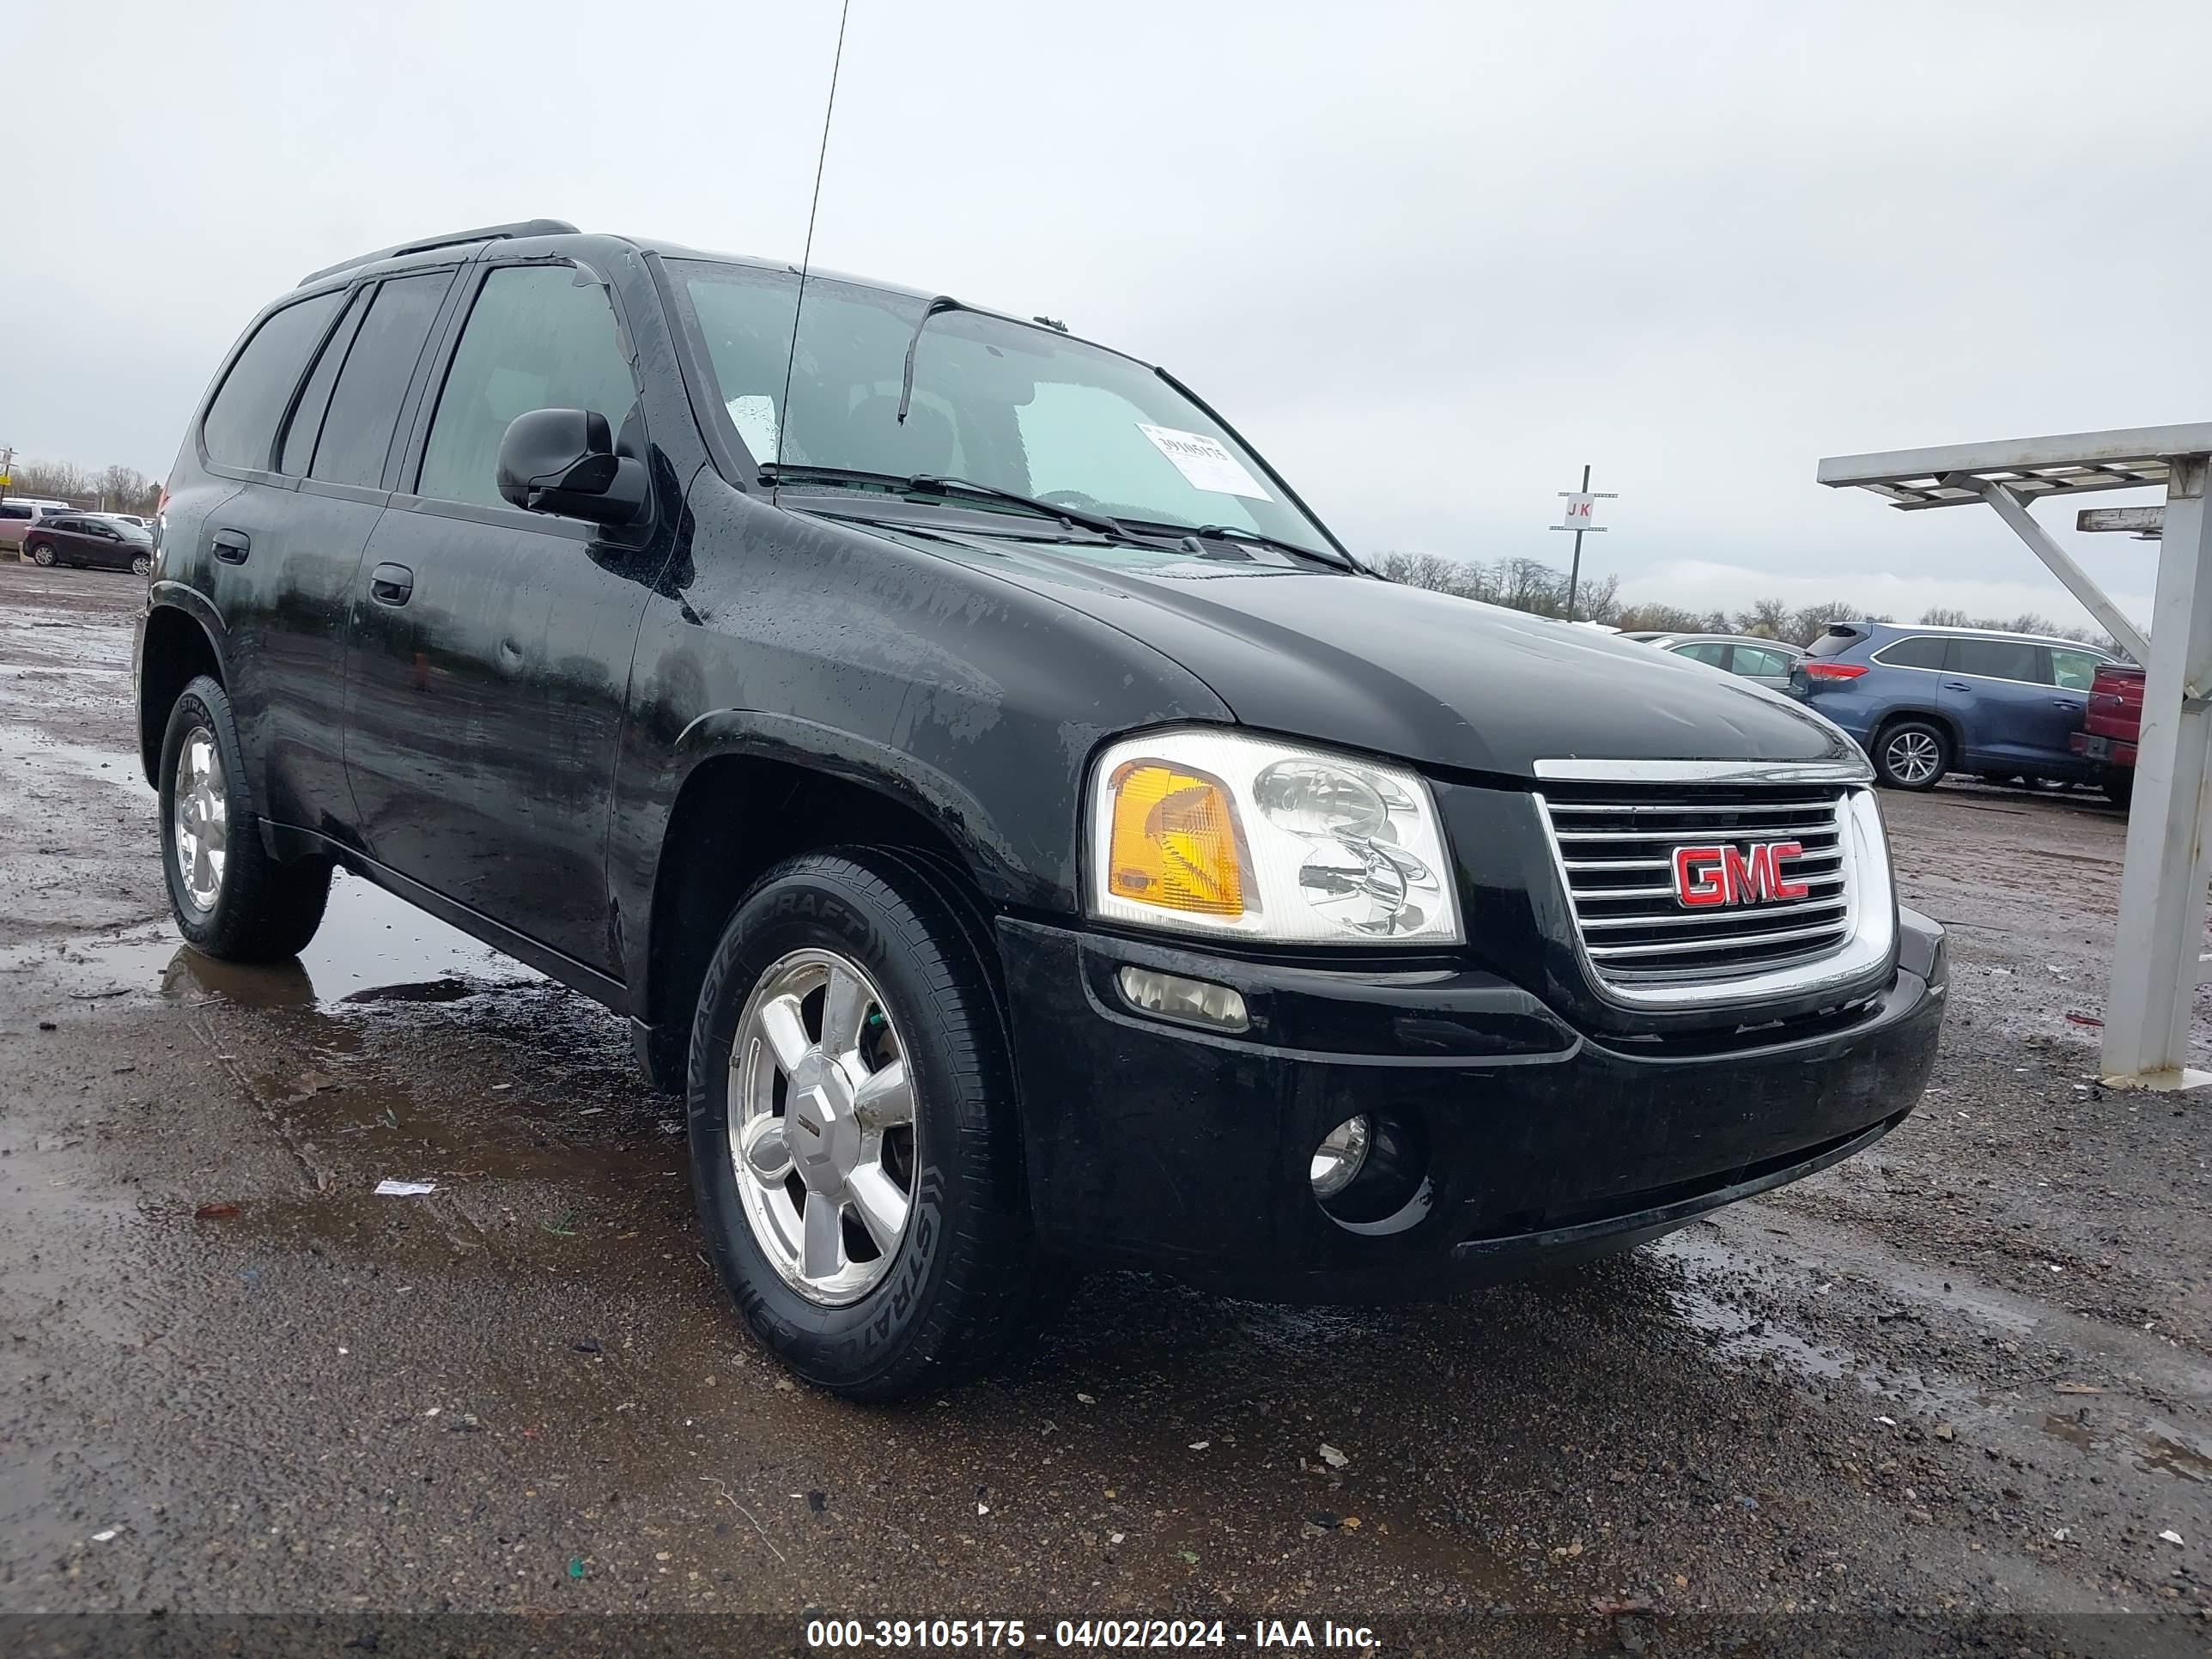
(1707, 876)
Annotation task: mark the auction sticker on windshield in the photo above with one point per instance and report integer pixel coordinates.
(1204, 462)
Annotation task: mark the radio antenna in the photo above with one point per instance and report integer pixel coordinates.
(806, 258)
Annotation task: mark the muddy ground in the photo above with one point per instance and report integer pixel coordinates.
(1957, 1388)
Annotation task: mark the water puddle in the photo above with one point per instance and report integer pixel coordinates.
(1727, 1296)
(22, 745)
(371, 947)
(2161, 1455)
(2072, 1430)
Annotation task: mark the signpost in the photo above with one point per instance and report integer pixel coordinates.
(1579, 505)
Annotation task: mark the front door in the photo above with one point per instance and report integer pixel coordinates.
(490, 650)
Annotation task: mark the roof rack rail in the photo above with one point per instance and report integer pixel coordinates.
(451, 239)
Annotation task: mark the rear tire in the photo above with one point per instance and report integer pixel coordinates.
(142, 566)
(960, 1284)
(231, 899)
(43, 555)
(2118, 783)
(1912, 754)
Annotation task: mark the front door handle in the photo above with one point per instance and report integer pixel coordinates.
(391, 583)
(232, 546)
(1956, 685)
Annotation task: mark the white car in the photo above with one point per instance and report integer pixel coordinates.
(18, 514)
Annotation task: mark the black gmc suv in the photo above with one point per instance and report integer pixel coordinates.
(1020, 828)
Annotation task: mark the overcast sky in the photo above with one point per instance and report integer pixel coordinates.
(1432, 258)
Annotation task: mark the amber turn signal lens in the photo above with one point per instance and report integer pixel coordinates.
(1174, 842)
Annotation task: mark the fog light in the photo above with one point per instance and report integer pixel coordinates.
(1340, 1156)
(1173, 996)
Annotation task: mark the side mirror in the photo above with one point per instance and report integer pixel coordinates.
(563, 461)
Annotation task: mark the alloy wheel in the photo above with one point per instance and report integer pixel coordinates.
(822, 1126)
(1912, 757)
(200, 818)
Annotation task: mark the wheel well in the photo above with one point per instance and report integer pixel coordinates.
(175, 652)
(1941, 722)
(735, 818)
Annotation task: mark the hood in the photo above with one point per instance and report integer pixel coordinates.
(1400, 671)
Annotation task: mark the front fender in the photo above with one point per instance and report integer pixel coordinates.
(945, 801)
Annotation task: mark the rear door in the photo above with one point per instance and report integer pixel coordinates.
(291, 552)
(1768, 666)
(491, 648)
(1999, 693)
(2073, 672)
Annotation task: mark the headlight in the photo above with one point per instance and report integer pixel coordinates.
(1220, 832)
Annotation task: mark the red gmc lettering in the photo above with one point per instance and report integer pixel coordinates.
(1766, 878)
(1701, 875)
(1709, 876)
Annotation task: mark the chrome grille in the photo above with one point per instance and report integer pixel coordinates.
(1616, 843)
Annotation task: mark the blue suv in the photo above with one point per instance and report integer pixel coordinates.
(1925, 701)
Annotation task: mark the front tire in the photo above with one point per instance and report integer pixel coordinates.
(230, 898)
(855, 1146)
(1911, 755)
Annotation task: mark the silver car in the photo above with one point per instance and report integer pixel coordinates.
(1766, 662)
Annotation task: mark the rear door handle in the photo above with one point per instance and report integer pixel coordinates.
(391, 583)
(232, 546)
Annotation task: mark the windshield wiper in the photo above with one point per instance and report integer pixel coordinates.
(929, 484)
(1223, 532)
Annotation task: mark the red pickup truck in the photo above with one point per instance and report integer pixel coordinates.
(2109, 727)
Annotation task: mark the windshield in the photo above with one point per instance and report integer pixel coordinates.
(1020, 409)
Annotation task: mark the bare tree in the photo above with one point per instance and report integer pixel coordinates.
(1766, 619)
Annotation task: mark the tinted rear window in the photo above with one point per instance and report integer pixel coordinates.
(240, 426)
(1837, 640)
(1922, 651)
(365, 406)
(9, 510)
(315, 396)
(1998, 659)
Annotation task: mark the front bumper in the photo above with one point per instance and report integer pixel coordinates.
(1163, 1147)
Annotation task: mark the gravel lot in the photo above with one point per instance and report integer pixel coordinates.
(1959, 1390)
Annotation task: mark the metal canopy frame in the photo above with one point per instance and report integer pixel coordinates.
(2159, 959)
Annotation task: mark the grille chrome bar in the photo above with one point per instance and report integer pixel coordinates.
(1645, 809)
(1613, 840)
(1681, 947)
(1712, 919)
(1689, 832)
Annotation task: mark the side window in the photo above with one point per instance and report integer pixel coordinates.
(1999, 659)
(2074, 671)
(1711, 653)
(10, 510)
(315, 396)
(539, 336)
(365, 403)
(240, 428)
(1921, 651)
(1756, 660)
